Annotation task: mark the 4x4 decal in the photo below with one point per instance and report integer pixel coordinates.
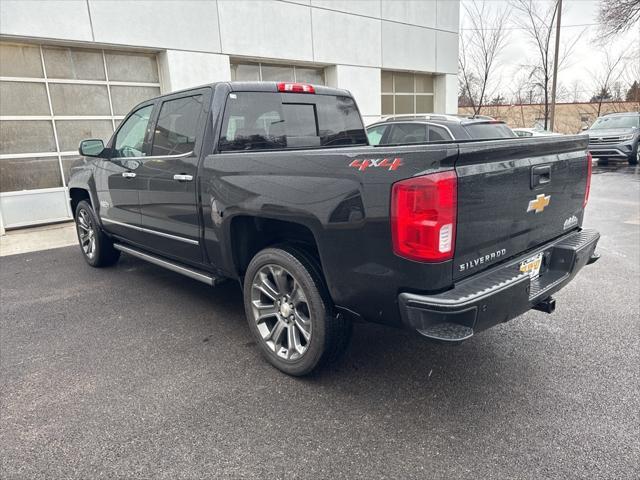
(387, 163)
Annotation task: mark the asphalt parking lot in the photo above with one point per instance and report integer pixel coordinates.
(136, 372)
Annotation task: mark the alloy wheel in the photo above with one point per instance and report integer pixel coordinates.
(86, 233)
(281, 312)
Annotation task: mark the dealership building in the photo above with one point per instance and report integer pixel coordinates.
(72, 69)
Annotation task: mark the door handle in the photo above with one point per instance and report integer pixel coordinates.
(540, 175)
(129, 174)
(183, 178)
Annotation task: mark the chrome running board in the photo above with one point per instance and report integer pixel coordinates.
(174, 267)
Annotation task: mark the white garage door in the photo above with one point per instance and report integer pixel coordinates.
(50, 98)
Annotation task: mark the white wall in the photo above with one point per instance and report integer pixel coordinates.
(180, 70)
(444, 101)
(359, 34)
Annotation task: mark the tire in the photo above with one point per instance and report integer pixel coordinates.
(97, 249)
(634, 158)
(295, 340)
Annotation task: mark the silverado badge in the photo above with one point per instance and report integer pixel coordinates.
(539, 203)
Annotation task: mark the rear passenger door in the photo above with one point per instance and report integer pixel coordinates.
(167, 178)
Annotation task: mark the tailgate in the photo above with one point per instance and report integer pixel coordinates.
(514, 195)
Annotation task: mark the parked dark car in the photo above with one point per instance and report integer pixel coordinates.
(616, 136)
(408, 129)
(274, 185)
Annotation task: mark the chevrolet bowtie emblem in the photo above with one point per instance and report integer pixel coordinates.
(540, 202)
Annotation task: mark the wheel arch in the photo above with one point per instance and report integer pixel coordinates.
(78, 194)
(249, 234)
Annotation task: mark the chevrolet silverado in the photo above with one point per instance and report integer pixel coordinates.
(275, 186)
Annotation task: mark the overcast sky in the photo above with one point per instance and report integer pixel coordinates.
(587, 58)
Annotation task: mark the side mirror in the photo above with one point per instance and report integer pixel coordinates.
(91, 148)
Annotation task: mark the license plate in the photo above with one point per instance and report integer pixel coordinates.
(532, 265)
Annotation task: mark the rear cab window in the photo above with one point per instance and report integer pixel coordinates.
(276, 121)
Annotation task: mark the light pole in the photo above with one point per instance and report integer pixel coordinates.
(552, 113)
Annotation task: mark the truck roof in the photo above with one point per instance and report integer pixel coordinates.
(264, 87)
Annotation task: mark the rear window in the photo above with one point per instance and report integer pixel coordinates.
(485, 131)
(272, 121)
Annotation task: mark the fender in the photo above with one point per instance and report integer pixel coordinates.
(82, 179)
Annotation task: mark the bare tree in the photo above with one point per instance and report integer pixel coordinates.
(631, 71)
(576, 89)
(520, 95)
(537, 21)
(618, 16)
(606, 78)
(480, 48)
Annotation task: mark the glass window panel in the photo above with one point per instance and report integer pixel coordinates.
(438, 134)
(245, 72)
(403, 82)
(26, 136)
(29, 173)
(73, 63)
(130, 139)
(124, 98)
(424, 84)
(22, 98)
(177, 126)
(20, 61)
(131, 67)
(387, 104)
(68, 163)
(74, 99)
(404, 104)
(424, 104)
(277, 73)
(339, 122)
(310, 75)
(258, 121)
(375, 134)
(70, 132)
(387, 82)
(408, 133)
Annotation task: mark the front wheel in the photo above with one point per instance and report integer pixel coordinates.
(290, 312)
(96, 247)
(634, 158)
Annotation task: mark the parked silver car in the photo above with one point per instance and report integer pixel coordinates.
(615, 135)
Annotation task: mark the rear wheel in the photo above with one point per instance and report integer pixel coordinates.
(96, 247)
(290, 313)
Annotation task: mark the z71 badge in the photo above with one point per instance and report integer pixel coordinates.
(387, 163)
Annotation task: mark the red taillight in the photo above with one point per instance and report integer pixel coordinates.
(588, 189)
(423, 217)
(296, 88)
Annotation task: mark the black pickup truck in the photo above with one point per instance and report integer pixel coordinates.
(275, 185)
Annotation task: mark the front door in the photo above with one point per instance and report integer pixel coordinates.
(168, 187)
(116, 178)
